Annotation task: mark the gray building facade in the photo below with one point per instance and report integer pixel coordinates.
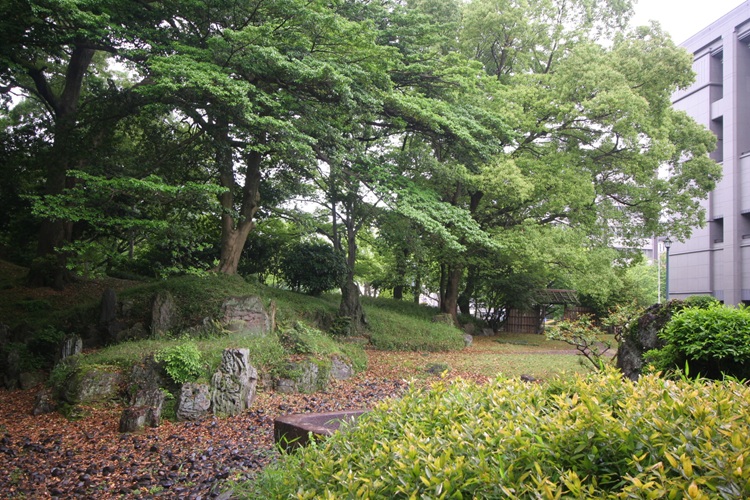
(716, 259)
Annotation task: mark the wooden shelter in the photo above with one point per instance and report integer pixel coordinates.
(532, 320)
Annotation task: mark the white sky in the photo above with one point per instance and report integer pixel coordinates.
(682, 18)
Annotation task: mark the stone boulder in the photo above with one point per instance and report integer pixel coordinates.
(145, 412)
(12, 369)
(194, 402)
(44, 402)
(31, 379)
(148, 375)
(437, 369)
(164, 313)
(468, 340)
(306, 376)
(233, 386)
(341, 368)
(92, 384)
(643, 336)
(247, 315)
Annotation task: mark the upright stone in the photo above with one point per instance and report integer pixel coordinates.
(44, 402)
(163, 313)
(109, 326)
(341, 369)
(146, 412)
(108, 309)
(233, 386)
(72, 345)
(246, 315)
(194, 402)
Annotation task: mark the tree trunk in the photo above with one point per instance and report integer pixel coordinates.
(464, 299)
(234, 233)
(398, 290)
(449, 305)
(351, 306)
(50, 268)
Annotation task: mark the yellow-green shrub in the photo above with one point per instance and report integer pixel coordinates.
(580, 437)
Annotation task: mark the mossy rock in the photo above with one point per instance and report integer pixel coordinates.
(306, 376)
(91, 384)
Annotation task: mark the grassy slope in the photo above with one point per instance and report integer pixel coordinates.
(393, 325)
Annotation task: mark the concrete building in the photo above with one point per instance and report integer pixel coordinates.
(716, 259)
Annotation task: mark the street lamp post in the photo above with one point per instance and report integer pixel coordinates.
(667, 244)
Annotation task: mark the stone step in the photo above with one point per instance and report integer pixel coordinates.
(292, 431)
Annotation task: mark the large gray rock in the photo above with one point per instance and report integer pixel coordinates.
(642, 337)
(246, 315)
(233, 386)
(146, 376)
(341, 369)
(306, 376)
(93, 384)
(145, 412)
(44, 402)
(163, 313)
(468, 340)
(31, 379)
(12, 369)
(194, 402)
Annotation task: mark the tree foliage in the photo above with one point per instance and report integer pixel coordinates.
(478, 150)
(313, 268)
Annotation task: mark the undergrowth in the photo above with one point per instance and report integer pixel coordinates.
(597, 436)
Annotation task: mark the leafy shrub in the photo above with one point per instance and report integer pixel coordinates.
(302, 339)
(701, 301)
(713, 342)
(15, 356)
(313, 268)
(585, 336)
(46, 344)
(182, 362)
(597, 436)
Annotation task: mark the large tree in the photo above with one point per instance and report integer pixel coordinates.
(256, 78)
(597, 145)
(46, 52)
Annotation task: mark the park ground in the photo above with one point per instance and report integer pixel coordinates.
(49, 456)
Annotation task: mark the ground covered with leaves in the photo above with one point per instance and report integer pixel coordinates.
(48, 456)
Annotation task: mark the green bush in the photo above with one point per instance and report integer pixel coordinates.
(302, 339)
(182, 362)
(597, 436)
(313, 268)
(713, 341)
